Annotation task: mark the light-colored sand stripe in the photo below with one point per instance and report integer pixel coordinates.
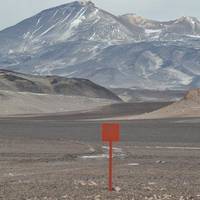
(182, 148)
(168, 147)
(133, 164)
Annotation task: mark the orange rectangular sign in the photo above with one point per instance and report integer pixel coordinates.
(110, 132)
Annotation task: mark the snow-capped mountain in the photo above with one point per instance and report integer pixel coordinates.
(79, 20)
(152, 65)
(167, 30)
(79, 39)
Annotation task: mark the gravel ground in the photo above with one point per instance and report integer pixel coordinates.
(140, 172)
(55, 160)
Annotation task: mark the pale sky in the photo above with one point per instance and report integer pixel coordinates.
(13, 11)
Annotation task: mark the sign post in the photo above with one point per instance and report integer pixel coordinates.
(110, 133)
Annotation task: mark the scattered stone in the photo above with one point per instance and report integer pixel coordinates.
(117, 189)
(152, 183)
(10, 174)
(133, 164)
(167, 196)
(92, 150)
(92, 183)
(191, 198)
(148, 188)
(97, 197)
(65, 196)
(160, 162)
(83, 183)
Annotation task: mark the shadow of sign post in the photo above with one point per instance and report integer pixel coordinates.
(110, 133)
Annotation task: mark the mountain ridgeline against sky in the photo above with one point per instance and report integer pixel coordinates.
(80, 40)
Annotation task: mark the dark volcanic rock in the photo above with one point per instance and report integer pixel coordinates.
(53, 85)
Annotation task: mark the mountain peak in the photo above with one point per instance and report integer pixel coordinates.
(86, 2)
(78, 3)
(191, 20)
(132, 16)
(81, 3)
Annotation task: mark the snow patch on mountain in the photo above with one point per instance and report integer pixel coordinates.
(178, 75)
(81, 40)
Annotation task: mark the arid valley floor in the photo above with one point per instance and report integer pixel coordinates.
(56, 157)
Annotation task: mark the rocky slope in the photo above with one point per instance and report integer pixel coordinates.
(17, 82)
(164, 30)
(193, 95)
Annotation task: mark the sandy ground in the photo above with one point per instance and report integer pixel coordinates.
(189, 106)
(15, 103)
(139, 172)
(180, 109)
(55, 158)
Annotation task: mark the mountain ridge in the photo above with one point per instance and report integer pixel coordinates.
(54, 85)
